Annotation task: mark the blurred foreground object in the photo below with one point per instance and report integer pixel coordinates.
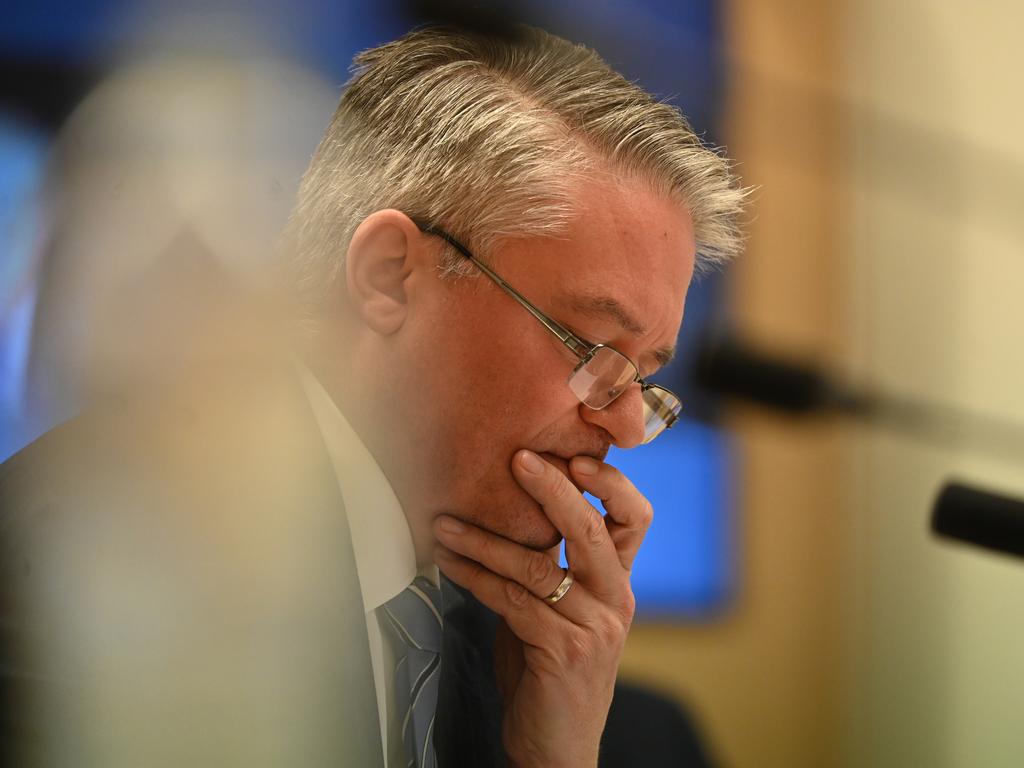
(170, 586)
(172, 590)
(170, 182)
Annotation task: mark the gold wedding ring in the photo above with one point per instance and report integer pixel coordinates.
(560, 590)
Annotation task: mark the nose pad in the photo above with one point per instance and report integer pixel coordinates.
(623, 418)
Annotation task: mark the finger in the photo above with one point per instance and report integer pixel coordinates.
(589, 547)
(629, 512)
(527, 616)
(536, 571)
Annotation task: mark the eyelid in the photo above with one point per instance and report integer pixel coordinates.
(590, 343)
(653, 372)
(648, 372)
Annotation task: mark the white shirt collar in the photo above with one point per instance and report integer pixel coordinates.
(381, 539)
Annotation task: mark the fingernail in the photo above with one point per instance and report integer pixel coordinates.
(451, 525)
(531, 463)
(584, 465)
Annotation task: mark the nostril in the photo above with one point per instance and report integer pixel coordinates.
(622, 421)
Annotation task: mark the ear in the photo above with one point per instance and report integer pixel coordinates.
(378, 264)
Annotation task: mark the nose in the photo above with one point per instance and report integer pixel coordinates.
(623, 418)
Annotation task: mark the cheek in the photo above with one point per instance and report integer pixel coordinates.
(518, 381)
(484, 374)
(497, 384)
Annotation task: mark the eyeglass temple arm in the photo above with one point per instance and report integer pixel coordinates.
(567, 337)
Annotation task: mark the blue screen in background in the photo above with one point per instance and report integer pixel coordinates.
(686, 567)
(23, 153)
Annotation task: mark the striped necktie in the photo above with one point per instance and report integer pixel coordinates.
(412, 621)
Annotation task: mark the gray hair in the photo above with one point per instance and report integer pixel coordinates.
(489, 138)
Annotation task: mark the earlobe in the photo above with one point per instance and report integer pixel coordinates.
(377, 267)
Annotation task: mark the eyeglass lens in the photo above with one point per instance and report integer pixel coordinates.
(605, 374)
(661, 409)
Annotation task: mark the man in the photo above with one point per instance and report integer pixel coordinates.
(490, 251)
(589, 199)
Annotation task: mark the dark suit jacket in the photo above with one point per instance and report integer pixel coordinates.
(178, 588)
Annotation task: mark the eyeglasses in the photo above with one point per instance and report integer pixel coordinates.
(603, 373)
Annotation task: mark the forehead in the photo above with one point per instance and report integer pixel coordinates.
(627, 256)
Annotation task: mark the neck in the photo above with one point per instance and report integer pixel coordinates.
(385, 439)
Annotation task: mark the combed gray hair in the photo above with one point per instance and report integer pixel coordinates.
(489, 138)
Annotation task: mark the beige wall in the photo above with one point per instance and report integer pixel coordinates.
(935, 251)
(888, 241)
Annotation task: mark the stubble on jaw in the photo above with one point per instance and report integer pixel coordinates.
(500, 506)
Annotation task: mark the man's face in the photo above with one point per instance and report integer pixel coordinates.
(486, 379)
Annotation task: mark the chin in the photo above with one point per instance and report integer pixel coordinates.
(522, 520)
(540, 540)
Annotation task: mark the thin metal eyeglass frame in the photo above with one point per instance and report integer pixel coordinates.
(582, 349)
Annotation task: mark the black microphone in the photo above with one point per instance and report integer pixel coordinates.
(731, 368)
(982, 518)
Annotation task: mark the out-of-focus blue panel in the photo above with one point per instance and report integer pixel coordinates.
(22, 158)
(670, 47)
(69, 28)
(686, 566)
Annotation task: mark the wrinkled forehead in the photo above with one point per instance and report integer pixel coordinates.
(632, 251)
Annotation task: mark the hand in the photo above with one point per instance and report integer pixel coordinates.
(556, 663)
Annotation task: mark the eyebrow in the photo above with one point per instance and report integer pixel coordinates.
(608, 308)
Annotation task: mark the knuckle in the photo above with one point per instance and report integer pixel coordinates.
(579, 650)
(592, 527)
(611, 633)
(629, 607)
(485, 549)
(518, 596)
(476, 572)
(539, 571)
(646, 516)
(561, 488)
